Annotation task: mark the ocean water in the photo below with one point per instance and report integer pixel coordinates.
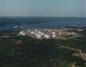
(8, 23)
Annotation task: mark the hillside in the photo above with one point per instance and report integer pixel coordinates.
(23, 51)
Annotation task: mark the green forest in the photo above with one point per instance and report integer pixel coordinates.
(25, 51)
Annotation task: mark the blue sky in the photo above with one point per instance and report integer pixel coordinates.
(57, 8)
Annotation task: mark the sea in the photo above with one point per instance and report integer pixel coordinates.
(11, 23)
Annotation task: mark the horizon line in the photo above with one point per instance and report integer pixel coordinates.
(45, 16)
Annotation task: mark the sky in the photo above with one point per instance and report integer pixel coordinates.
(85, 8)
(50, 8)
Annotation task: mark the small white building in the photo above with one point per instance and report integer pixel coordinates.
(22, 33)
(53, 33)
(38, 36)
(46, 36)
(32, 32)
(54, 36)
(73, 33)
(42, 33)
(68, 33)
(39, 32)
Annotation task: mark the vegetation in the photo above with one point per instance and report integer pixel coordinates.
(25, 51)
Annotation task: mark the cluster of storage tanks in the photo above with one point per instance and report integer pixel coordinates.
(46, 33)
